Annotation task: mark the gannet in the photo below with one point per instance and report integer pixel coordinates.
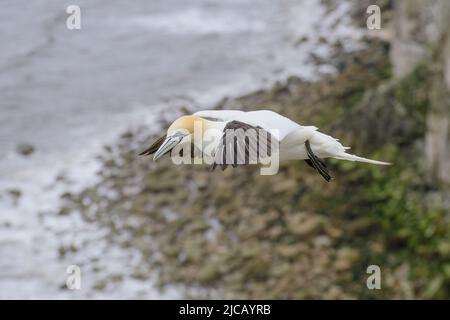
(292, 140)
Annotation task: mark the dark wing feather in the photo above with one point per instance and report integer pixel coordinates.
(309, 162)
(317, 163)
(155, 146)
(239, 146)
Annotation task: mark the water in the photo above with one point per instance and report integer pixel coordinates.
(69, 92)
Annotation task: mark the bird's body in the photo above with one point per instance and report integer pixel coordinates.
(295, 141)
(291, 135)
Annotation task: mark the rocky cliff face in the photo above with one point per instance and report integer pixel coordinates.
(419, 27)
(422, 36)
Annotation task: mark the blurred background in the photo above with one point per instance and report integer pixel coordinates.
(77, 106)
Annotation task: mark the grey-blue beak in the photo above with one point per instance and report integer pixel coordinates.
(168, 145)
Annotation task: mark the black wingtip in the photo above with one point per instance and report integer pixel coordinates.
(316, 163)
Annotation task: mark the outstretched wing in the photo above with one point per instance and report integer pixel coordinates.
(242, 144)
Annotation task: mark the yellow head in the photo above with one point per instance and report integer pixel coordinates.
(181, 128)
(186, 124)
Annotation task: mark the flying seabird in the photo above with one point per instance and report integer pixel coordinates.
(232, 137)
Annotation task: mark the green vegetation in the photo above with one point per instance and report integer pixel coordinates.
(404, 209)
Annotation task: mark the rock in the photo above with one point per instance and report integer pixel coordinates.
(289, 251)
(15, 193)
(207, 274)
(301, 41)
(419, 26)
(66, 195)
(127, 135)
(100, 285)
(345, 258)
(422, 36)
(117, 277)
(444, 249)
(64, 211)
(304, 225)
(322, 241)
(25, 149)
(433, 287)
(284, 186)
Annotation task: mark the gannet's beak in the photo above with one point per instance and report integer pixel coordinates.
(168, 144)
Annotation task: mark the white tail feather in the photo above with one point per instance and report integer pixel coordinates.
(352, 157)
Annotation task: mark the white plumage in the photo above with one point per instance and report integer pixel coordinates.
(266, 119)
(292, 136)
(295, 141)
